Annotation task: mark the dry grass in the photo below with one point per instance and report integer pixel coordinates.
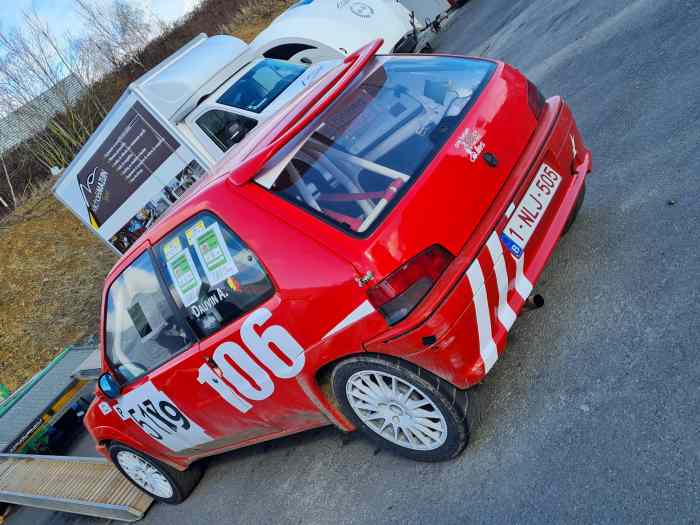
(52, 268)
(51, 275)
(254, 16)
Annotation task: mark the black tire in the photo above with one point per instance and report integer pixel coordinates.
(577, 208)
(182, 483)
(452, 404)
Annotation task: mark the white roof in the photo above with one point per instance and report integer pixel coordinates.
(178, 78)
(344, 25)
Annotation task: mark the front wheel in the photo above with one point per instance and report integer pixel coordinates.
(158, 480)
(402, 408)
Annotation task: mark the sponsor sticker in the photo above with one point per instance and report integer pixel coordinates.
(471, 141)
(185, 276)
(159, 417)
(214, 254)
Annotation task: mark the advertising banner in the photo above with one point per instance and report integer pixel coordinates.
(128, 175)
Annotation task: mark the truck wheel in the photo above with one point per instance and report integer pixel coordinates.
(161, 481)
(402, 408)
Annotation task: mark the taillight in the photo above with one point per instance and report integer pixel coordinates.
(535, 100)
(398, 294)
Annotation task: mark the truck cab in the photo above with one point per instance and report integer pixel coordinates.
(254, 93)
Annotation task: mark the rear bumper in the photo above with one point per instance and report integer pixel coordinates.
(468, 327)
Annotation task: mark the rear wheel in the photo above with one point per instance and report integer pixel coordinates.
(402, 408)
(157, 479)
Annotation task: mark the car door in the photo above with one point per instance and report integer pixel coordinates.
(153, 349)
(251, 350)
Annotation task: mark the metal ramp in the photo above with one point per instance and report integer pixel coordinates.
(89, 486)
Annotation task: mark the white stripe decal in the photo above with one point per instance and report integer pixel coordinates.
(522, 284)
(487, 347)
(506, 315)
(358, 313)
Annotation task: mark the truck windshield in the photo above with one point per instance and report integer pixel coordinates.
(353, 163)
(261, 85)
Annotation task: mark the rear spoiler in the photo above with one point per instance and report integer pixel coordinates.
(351, 68)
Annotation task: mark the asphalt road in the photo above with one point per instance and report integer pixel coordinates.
(592, 415)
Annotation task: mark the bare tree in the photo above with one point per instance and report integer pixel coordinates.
(117, 32)
(53, 90)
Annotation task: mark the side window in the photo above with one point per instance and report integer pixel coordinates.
(211, 273)
(225, 129)
(142, 331)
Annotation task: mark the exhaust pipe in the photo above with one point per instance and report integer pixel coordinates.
(533, 302)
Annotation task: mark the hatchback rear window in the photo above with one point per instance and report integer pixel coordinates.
(352, 164)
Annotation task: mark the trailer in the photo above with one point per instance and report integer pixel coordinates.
(79, 485)
(168, 128)
(33, 419)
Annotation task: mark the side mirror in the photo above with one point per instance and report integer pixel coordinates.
(109, 386)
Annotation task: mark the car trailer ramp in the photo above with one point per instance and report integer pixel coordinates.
(89, 486)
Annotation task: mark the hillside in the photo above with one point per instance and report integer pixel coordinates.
(51, 267)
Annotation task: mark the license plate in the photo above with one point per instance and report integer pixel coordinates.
(529, 212)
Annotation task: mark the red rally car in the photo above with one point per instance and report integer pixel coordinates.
(357, 261)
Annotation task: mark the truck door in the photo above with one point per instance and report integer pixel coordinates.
(218, 127)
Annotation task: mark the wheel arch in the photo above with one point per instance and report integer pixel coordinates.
(323, 385)
(108, 436)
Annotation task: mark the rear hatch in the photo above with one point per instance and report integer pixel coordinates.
(457, 173)
(410, 155)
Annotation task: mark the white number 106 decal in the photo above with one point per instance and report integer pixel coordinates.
(260, 345)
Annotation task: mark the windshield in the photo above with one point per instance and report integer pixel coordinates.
(261, 85)
(351, 165)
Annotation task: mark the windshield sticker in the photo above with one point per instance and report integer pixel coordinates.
(194, 231)
(233, 284)
(185, 276)
(159, 417)
(214, 255)
(471, 142)
(172, 248)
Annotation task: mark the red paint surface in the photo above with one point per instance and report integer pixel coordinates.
(456, 203)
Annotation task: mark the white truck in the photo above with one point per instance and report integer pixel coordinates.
(178, 119)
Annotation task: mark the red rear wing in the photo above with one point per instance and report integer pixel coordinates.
(352, 66)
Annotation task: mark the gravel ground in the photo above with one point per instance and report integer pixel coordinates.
(592, 415)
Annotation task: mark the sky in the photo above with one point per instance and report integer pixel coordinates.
(61, 14)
